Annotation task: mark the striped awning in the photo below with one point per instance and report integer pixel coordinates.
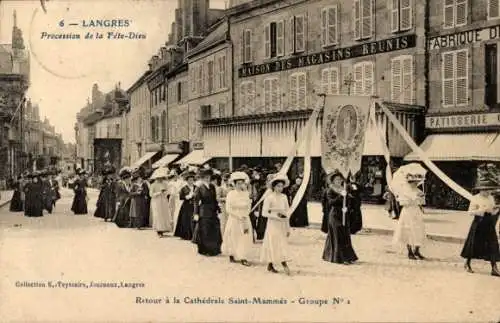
(196, 157)
(460, 147)
(165, 160)
(141, 161)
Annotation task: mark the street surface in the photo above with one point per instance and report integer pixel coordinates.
(83, 250)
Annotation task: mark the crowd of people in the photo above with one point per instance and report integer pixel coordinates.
(226, 213)
(35, 192)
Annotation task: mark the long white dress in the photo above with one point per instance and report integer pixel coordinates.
(410, 229)
(275, 244)
(235, 242)
(160, 211)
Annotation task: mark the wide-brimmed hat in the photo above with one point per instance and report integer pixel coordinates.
(172, 173)
(239, 176)
(81, 172)
(206, 172)
(125, 172)
(188, 174)
(108, 169)
(331, 176)
(278, 178)
(161, 172)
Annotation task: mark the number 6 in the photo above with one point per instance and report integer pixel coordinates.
(61, 23)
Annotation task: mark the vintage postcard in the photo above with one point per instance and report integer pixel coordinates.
(249, 160)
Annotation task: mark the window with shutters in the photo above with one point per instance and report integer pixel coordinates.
(210, 76)
(179, 92)
(297, 35)
(454, 13)
(455, 78)
(222, 71)
(363, 19)
(402, 79)
(274, 39)
(271, 94)
(192, 79)
(329, 26)
(330, 81)
(200, 79)
(298, 91)
(246, 46)
(401, 15)
(364, 78)
(493, 9)
(222, 109)
(247, 96)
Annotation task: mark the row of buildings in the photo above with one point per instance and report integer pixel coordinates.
(236, 86)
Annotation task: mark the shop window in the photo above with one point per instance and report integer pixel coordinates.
(329, 26)
(402, 79)
(330, 81)
(455, 87)
(401, 15)
(363, 19)
(364, 79)
(491, 72)
(454, 13)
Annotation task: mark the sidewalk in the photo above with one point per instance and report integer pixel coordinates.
(441, 225)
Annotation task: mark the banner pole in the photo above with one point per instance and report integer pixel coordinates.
(344, 203)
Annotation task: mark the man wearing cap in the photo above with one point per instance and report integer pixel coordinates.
(206, 210)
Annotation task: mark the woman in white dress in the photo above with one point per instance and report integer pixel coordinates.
(237, 240)
(160, 208)
(411, 229)
(275, 209)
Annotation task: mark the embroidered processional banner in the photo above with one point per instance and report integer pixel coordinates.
(345, 119)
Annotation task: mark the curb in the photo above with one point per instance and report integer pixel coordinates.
(389, 232)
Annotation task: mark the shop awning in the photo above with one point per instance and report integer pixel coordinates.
(196, 157)
(143, 159)
(165, 160)
(460, 147)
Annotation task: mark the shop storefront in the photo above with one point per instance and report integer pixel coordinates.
(458, 144)
(265, 140)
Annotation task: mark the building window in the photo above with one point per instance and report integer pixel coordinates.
(222, 109)
(200, 79)
(164, 90)
(210, 77)
(158, 128)
(402, 79)
(179, 92)
(247, 96)
(455, 13)
(363, 19)
(246, 46)
(297, 38)
(491, 74)
(363, 78)
(271, 94)
(222, 71)
(455, 78)
(192, 78)
(298, 91)
(330, 81)
(117, 130)
(164, 126)
(274, 39)
(329, 23)
(401, 15)
(493, 9)
(153, 129)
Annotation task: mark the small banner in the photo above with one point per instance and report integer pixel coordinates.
(345, 119)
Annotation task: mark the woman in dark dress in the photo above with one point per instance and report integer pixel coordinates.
(54, 183)
(338, 246)
(79, 205)
(16, 203)
(106, 202)
(184, 227)
(139, 201)
(325, 208)
(299, 217)
(261, 220)
(123, 186)
(47, 193)
(34, 197)
(206, 213)
(482, 240)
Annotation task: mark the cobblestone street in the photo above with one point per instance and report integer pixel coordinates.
(383, 286)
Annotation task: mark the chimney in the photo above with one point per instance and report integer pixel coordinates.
(178, 24)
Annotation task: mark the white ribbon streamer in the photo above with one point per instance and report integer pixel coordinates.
(300, 140)
(439, 173)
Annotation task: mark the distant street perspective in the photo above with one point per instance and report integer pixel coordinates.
(81, 248)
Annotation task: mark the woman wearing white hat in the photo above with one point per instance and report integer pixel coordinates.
(238, 238)
(160, 211)
(275, 209)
